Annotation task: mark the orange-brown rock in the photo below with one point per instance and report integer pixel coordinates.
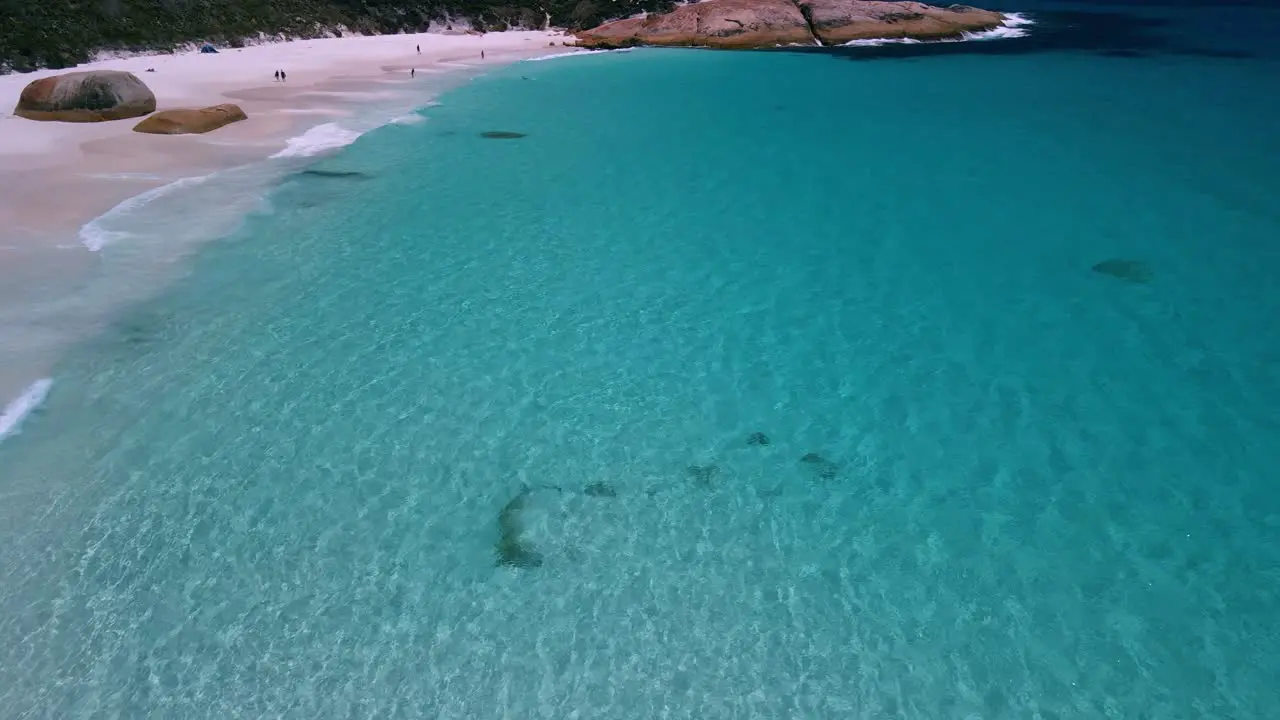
(769, 23)
(839, 21)
(714, 23)
(182, 122)
(90, 96)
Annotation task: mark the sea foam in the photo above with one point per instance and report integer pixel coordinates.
(237, 192)
(1014, 26)
(573, 53)
(408, 119)
(101, 231)
(319, 139)
(22, 406)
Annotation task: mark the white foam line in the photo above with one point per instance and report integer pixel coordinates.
(409, 119)
(321, 138)
(1012, 27)
(1017, 20)
(26, 403)
(95, 235)
(573, 53)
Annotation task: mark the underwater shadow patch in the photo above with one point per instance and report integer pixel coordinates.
(1134, 271)
(502, 135)
(336, 174)
(140, 330)
(823, 468)
(1109, 33)
(703, 474)
(600, 490)
(512, 549)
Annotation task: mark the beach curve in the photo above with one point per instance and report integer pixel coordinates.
(61, 182)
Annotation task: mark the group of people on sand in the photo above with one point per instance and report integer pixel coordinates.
(280, 75)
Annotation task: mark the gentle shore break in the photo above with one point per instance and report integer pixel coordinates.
(63, 184)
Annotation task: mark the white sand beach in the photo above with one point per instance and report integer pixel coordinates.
(55, 177)
(324, 75)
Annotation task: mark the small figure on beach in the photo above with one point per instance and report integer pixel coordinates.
(282, 76)
(412, 71)
(419, 49)
(277, 76)
(481, 54)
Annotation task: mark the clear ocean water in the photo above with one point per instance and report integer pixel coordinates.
(1003, 319)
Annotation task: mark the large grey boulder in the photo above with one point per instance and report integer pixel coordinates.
(90, 96)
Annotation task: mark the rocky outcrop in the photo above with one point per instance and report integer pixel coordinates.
(182, 122)
(92, 96)
(746, 24)
(838, 21)
(729, 24)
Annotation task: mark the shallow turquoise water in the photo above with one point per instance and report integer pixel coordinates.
(1042, 491)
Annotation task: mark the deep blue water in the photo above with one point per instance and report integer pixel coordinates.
(999, 481)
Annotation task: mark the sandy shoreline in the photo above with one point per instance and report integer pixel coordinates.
(56, 177)
(327, 77)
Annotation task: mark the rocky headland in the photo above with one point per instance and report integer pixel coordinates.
(754, 24)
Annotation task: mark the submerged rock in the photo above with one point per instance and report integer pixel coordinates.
(746, 24)
(349, 174)
(89, 96)
(600, 489)
(512, 550)
(141, 328)
(501, 135)
(136, 333)
(836, 22)
(703, 474)
(823, 467)
(1134, 271)
(188, 122)
(757, 438)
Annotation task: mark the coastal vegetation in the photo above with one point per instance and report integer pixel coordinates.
(62, 33)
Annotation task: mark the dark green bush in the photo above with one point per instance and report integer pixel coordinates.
(60, 33)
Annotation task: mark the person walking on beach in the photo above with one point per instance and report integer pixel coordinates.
(277, 76)
(481, 54)
(412, 71)
(281, 76)
(419, 49)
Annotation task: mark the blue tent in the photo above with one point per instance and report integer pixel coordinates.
(207, 48)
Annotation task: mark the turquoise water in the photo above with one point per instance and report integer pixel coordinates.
(997, 484)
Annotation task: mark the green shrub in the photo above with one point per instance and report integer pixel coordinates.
(60, 33)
